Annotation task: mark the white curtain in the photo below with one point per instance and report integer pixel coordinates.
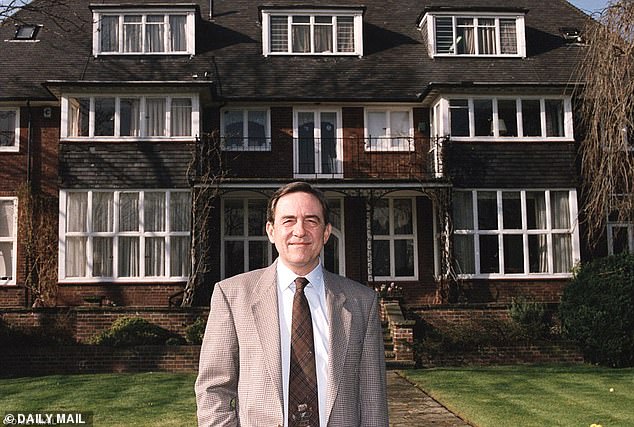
(178, 33)
(377, 128)
(323, 34)
(403, 216)
(7, 128)
(76, 212)
(486, 36)
(180, 264)
(508, 36)
(132, 33)
(345, 34)
(154, 211)
(464, 252)
(381, 217)
(76, 256)
(102, 256)
(465, 39)
(399, 129)
(7, 218)
(128, 256)
(554, 117)
(103, 211)
(301, 34)
(562, 253)
(155, 33)
(560, 209)
(129, 212)
(256, 129)
(109, 33)
(154, 256)
(180, 211)
(181, 117)
(155, 116)
(129, 117)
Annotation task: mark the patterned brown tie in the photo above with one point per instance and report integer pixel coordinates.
(303, 409)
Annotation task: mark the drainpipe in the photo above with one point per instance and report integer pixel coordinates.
(29, 184)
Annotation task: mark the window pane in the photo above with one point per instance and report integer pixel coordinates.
(331, 254)
(257, 217)
(463, 210)
(154, 256)
(508, 37)
(234, 217)
(536, 210)
(7, 218)
(404, 258)
(483, 116)
(560, 209)
(620, 240)
(155, 116)
(258, 254)
(130, 114)
(155, 33)
(180, 264)
(154, 211)
(76, 212)
(444, 35)
(335, 212)
(464, 254)
(78, 116)
(554, 117)
(403, 221)
(513, 254)
(104, 116)
(377, 127)
(459, 117)
(486, 36)
(400, 129)
(109, 34)
(306, 143)
(511, 210)
(562, 253)
(323, 34)
(129, 212)
(180, 211)
(128, 256)
(301, 34)
(76, 256)
(103, 211)
(531, 120)
(257, 128)
(181, 117)
(6, 261)
(381, 258)
(132, 33)
(345, 34)
(538, 253)
(102, 256)
(489, 254)
(381, 217)
(507, 117)
(487, 210)
(234, 258)
(279, 34)
(465, 43)
(178, 33)
(234, 128)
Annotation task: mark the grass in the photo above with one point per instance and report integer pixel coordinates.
(577, 395)
(156, 399)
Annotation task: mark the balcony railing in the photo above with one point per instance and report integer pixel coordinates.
(400, 158)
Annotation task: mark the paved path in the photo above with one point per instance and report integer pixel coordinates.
(411, 407)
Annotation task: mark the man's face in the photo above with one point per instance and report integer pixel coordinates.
(298, 231)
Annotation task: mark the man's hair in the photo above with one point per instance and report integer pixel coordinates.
(297, 187)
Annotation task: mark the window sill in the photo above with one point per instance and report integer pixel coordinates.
(533, 276)
(15, 149)
(509, 139)
(127, 280)
(93, 139)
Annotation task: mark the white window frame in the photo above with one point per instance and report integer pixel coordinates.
(338, 232)
(357, 22)
(245, 129)
(167, 234)
(317, 112)
(500, 232)
(385, 143)
(98, 14)
(444, 123)
(16, 146)
(13, 240)
(195, 117)
(245, 237)
(392, 237)
(429, 21)
(629, 229)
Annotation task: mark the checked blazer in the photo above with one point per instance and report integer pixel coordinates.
(240, 374)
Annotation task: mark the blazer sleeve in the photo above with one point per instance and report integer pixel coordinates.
(217, 382)
(372, 384)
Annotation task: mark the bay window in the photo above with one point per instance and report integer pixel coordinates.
(8, 239)
(312, 32)
(9, 129)
(125, 235)
(389, 130)
(139, 117)
(140, 32)
(394, 252)
(515, 232)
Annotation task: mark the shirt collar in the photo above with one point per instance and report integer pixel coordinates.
(286, 277)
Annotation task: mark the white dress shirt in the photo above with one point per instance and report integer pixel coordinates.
(315, 292)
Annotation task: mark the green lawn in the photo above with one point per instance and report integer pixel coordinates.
(147, 399)
(533, 395)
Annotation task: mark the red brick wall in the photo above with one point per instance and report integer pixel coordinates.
(120, 294)
(12, 296)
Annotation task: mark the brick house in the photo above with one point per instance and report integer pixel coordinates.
(443, 135)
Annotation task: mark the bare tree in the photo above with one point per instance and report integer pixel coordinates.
(608, 118)
(60, 12)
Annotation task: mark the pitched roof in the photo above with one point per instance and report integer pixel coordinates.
(395, 65)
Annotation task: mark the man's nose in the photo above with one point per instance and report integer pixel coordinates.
(298, 229)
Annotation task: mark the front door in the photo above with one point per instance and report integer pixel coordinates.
(317, 147)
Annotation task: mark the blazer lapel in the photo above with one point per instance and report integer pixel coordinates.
(266, 316)
(339, 318)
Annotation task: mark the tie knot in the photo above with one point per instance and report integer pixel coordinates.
(300, 283)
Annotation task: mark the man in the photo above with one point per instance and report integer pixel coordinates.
(248, 360)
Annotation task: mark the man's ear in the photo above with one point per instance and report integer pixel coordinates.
(327, 232)
(269, 232)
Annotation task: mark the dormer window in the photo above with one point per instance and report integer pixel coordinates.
(454, 34)
(26, 32)
(144, 32)
(310, 32)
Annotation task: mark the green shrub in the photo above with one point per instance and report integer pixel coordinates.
(531, 317)
(131, 331)
(597, 311)
(195, 332)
